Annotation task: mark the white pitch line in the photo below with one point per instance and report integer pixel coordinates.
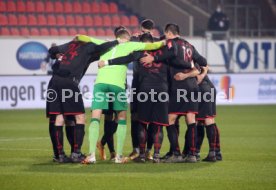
(22, 139)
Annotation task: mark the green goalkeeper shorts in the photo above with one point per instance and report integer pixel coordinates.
(103, 94)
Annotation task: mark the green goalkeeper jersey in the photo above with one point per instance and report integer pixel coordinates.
(116, 74)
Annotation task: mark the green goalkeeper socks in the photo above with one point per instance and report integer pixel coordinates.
(93, 135)
(121, 136)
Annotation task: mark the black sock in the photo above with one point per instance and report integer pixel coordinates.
(107, 126)
(200, 136)
(70, 136)
(173, 138)
(211, 135)
(217, 138)
(192, 138)
(134, 134)
(186, 144)
(177, 126)
(78, 137)
(157, 136)
(150, 135)
(110, 140)
(142, 135)
(52, 130)
(59, 139)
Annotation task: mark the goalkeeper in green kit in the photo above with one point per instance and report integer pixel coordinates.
(110, 86)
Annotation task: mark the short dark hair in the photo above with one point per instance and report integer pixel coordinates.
(173, 28)
(122, 32)
(147, 24)
(146, 37)
(118, 28)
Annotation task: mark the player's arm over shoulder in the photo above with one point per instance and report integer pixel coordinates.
(140, 46)
(84, 38)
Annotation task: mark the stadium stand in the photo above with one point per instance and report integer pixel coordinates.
(62, 17)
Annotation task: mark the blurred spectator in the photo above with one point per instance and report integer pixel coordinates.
(48, 62)
(218, 21)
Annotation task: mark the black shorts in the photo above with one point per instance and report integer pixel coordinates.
(110, 110)
(153, 112)
(133, 102)
(207, 105)
(184, 97)
(70, 104)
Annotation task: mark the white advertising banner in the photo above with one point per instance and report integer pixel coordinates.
(26, 56)
(20, 92)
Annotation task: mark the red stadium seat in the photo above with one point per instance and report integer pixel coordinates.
(104, 8)
(63, 32)
(77, 7)
(109, 32)
(82, 31)
(51, 20)
(34, 32)
(11, 7)
(106, 20)
(70, 21)
(44, 32)
(72, 32)
(3, 20)
(12, 20)
(21, 7)
(88, 20)
(22, 20)
(30, 7)
(134, 21)
(14, 31)
(79, 20)
(86, 7)
(5, 31)
(54, 32)
(100, 32)
(58, 7)
(3, 6)
(41, 20)
(98, 21)
(135, 31)
(113, 8)
(39, 6)
(68, 7)
(95, 7)
(91, 32)
(115, 20)
(32, 21)
(60, 20)
(24, 31)
(125, 20)
(49, 7)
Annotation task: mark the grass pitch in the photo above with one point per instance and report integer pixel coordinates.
(248, 135)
